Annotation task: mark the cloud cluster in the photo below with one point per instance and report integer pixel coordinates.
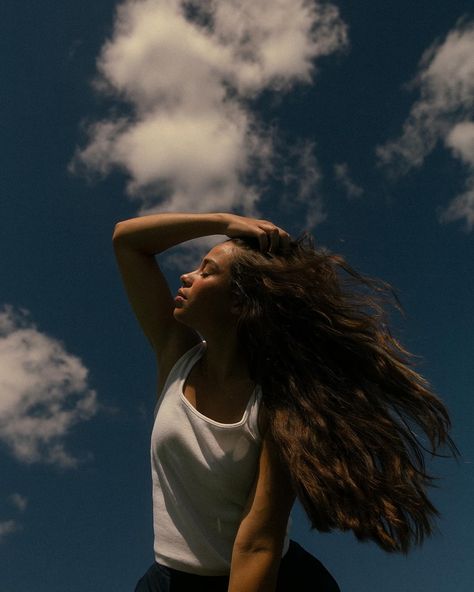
(443, 112)
(44, 392)
(188, 70)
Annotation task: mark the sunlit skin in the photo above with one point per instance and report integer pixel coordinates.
(220, 380)
(204, 301)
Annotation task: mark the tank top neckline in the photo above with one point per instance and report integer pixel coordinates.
(193, 361)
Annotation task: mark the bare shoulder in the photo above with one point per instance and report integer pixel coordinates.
(177, 347)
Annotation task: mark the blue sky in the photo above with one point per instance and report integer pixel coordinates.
(352, 120)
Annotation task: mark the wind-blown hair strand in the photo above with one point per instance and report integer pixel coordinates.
(341, 392)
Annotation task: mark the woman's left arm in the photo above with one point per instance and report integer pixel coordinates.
(259, 542)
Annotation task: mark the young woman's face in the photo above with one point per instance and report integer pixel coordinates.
(204, 300)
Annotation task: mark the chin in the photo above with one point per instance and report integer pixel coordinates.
(180, 316)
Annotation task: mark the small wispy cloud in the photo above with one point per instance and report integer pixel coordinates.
(443, 113)
(342, 176)
(44, 392)
(301, 176)
(19, 501)
(189, 71)
(7, 528)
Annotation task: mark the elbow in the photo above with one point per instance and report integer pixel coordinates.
(119, 232)
(257, 545)
(252, 549)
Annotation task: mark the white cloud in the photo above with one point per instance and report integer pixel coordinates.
(341, 172)
(461, 208)
(6, 528)
(189, 71)
(44, 392)
(461, 141)
(19, 501)
(442, 113)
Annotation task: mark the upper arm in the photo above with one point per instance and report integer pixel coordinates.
(265, 517)
(152, 303)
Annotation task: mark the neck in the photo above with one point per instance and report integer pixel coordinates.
(224, 359)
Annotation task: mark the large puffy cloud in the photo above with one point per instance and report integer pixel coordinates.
(442, 113)
(189, 71)
(44, 392)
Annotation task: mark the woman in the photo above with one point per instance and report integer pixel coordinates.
(277, 379)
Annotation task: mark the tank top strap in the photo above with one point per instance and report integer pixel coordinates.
(252, 420)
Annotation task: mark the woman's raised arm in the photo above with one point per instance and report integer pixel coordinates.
(136, 242)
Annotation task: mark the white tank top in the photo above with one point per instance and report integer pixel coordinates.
(202, 473)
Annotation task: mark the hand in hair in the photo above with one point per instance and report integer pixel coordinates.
(271, 238)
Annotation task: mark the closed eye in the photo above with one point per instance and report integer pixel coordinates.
(207, 268)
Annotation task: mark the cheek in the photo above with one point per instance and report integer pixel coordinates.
(215, 302)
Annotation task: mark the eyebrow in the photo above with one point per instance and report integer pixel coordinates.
(205, 261)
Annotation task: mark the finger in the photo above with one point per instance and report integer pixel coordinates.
(263, 241)
(273, 239)
(285, 240)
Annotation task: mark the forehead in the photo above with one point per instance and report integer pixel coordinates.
(222, 254)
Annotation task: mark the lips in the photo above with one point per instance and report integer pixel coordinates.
(180, 298)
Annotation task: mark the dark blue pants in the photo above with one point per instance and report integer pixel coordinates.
(297, 564)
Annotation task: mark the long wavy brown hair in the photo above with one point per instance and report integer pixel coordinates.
(341, 393)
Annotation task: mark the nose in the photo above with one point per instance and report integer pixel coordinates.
(186, 279)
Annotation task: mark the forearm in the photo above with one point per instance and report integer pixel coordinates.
(254, 571)
(157, 232)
